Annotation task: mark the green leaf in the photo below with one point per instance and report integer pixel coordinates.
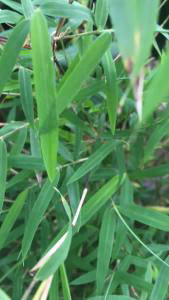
(3, 295)
(81, 71)
(73, 192)
(158, 87)
(11, 51)
(114, 297)
(27, 6)
(45, 91)
(26, 162)
(160, 289)
(111, 88)
(157, 171)
(120, 239)
(3, 171)
(8, 16)
(146, 216)
(35, 142)
(19, 178)
(19, 142)
(101, 13)
(56, 259)
(92, 88)
(93, 161)
(64, 152)
(13, 4)
(131, 19)
(65, 283)
(104, 252)
(36, 215)
(10, 128)
(11, 217)
(74, 119)
(158, 133)
(64, 9)
(96, 202)
(26, 94)
(85, 278)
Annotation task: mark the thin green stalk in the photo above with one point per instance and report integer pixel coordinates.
(137, 238)
(65, 283)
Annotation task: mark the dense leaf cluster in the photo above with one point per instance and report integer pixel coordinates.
(83, 150)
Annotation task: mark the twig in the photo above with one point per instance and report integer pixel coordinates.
(29, 290)
(77, 35)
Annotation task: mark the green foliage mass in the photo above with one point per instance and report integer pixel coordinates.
(84, 206)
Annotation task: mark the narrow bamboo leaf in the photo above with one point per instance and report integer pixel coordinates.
(26, 162)
(43, 289)
(36, 215)
(85, 278)
(64, 9)
(19, 142)
(160, 289)
(26, 94)
(54, 289)
(92, 88)
(127, 192)
(11, 217)
(120, 239)
(101, 13)
(133, 17)
(3, 295)
(158, 133)
(148, 277)
(65, 283)
(64, 152)
(136, 281)
(82, 70)
(88, 39)
(18, 178)
(10, 128)
(3, 171)
(56, 259)
(45, 91)
(73, 192)
(111, 88)
(96, 202)
(35, 142)
(11, 51)
(27, 7)
(72, 66)
(74, 119)
(13, 4)
(104, 253)
(157, 171)
(8, 16)
(158, 87)
(114, 297)
(94, 160)
(146, 216)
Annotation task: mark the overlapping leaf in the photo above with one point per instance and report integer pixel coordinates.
(45, 91)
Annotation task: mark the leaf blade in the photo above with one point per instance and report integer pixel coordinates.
(45, 91)
(3, 171)
(93, 161)
(35, 217)
(11, 51)
(99, 199)
(133, 17)
(82, 70)
(105, 246)
(146, 216)
(26, 94)
(12, 216)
